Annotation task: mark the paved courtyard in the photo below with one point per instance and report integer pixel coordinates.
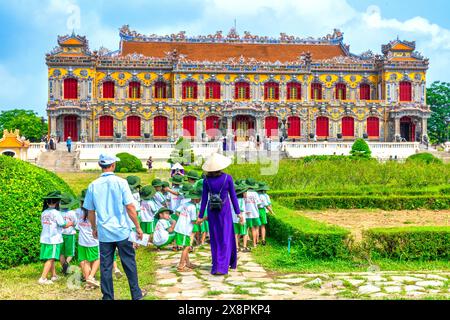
(251, 281)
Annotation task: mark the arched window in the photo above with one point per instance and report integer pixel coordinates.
(271, 126)
(134, 90)
(189, 123)
(341, 91)
(160, 127)
(160, 90)
(189, 90)
(242, 91)
(212, 126)
(294, 91)
(212, 90)
(70, 88)
(322, 127)
(373, 127)
(106, 126)
(108, 90)
(294, 127)
(405, 91)
(348, 127)
(271, 91)
(316, 91)
(133, 126)
(364, 91)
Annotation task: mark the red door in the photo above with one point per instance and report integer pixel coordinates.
(272, 126)
(71, 127)
(322, 128)
(373, 127)
(212, 126)
(133, 126)
(294, 127)
(348, 127)
(189, 126)
(160, 126)
(106, 125)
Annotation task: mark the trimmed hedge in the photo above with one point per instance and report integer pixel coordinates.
(393, 202)
(22, 187)
(410, 243)
(128, 163)
(312, 239)
(425, 157)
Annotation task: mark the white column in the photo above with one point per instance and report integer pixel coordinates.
(424, 126)
(229, 125)
(397, 127)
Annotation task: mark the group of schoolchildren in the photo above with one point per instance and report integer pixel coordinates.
(167, 213)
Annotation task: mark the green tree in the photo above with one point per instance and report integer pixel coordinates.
(182, 152)
(31, 126)
(361, 150)
(438, 97)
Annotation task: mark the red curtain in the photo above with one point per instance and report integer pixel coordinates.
(108, 90)
(71, 127)
(364, 91)
(160, 126)
(294, 94)
(294, 127)
(272, 86)
(134, 90)
(191, 85)
(322, 127)
(405, 91)
(271, 126)
(373, 127)
(246, 87)
(189, 126)
(316, 87)
(70, 88)
(348, 127)
(212, 122)
(341, 91)
(133, 126)
(106, 126)
(213, 90)
(160, 90)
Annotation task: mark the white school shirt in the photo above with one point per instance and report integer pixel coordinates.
(148, 210)
(188, 213)
(252, 202)
(175, 200)
(265, 198)
(52, 223)
(161, 235)
(241, 202)
(69, 216)
(137, 205)
(85, 237)
(159, 199)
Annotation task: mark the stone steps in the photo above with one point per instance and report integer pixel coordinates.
(59, 161)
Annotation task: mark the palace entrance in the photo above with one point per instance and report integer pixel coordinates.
(243, 127)
(407, 129)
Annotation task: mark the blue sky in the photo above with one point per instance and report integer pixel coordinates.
(29, 28)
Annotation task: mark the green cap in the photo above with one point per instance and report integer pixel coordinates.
(177, 179)
(53, 195)
(83, 194)
(198, 185)
(134, 181)
(147, 192)
(186, 188)
(157, 183)
(67, 201)
(165, 184)
(240, 189)
(251, 183)
(193, 175)
(262, 186)
(164, 209)
(193, 194)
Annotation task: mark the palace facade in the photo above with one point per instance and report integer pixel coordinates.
(158, 87)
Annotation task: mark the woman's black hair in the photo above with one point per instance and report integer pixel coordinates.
(85, 212)
(214, 174)
(48, 202)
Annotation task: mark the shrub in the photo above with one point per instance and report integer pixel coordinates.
(360, 149)
(310, 238)
(325, 158)
(128, 162)
(410, 243)
(393, 202)
(423, 158)
(123, 170)
(22, 186)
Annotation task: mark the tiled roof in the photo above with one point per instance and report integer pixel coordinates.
(223, 51)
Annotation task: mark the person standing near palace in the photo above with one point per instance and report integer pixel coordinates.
(110, 202)
(220, 185)
(69, 144)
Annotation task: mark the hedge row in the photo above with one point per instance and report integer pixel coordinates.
(410, 243)
(394, 202)
(311, 238)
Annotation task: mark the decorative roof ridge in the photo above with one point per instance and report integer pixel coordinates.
(386, 47)
(126, 34)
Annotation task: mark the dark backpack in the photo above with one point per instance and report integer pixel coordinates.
(215, 202)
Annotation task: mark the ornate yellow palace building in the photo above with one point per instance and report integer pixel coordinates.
(158, 87)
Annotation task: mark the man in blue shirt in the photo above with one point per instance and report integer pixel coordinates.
(109, 201)
(69, 144)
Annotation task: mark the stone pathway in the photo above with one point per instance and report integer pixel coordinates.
(250, 281)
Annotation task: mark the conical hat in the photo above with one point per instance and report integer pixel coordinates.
(177, 166)
(216, 162)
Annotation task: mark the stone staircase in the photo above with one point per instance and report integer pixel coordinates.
(444, 156)
(59, 160)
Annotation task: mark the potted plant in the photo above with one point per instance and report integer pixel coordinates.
(365, 136)
(147, 135)
(339, 135)
(311, 135)
(118, 135)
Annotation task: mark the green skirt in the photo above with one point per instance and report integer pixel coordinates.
(240, 229)
(148, 227)
(50, 251)
(89, 254)
(253, 222)
(196, 228)
(263, 215)
(204, 227)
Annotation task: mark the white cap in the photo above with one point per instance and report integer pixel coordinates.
(216, 162)
(107, 159)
